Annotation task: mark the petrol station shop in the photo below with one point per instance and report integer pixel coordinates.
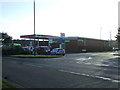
(70, 44)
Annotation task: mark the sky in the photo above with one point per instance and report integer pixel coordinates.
(83, 18)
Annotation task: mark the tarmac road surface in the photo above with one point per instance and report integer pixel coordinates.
(81, 70)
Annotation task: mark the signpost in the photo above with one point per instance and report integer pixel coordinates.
(62, 40)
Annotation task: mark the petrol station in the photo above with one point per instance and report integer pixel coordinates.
(70, 44)
(50, 38)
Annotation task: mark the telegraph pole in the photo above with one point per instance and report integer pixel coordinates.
(100, 32)
(110, 36)
(110, 39)
(34, 29)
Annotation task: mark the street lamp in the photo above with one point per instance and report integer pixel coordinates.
(34, 29)
(100, 32)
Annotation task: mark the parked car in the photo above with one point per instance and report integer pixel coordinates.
(26, 50)
(83, 50)
(43, 50)
(116, 49)
(58, 51)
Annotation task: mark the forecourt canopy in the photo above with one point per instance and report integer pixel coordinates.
(49, 37)
(38, 36)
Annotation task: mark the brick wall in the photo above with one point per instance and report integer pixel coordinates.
(72, 46)
(75, 45)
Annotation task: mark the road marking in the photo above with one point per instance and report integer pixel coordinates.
(113, 53)
(84, 59)
(102, 65)
(106, 65)
(88, 63)
(99, 77)
(89, 57)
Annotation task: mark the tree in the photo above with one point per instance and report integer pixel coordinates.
(6, 39)
(118, 37)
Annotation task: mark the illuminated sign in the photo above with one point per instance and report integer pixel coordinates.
(80, 40)
(67, 40)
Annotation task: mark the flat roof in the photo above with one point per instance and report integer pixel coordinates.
(38, 36)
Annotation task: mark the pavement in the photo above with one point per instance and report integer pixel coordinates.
(81, 70)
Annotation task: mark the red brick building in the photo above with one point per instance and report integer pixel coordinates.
(72, 44)
(76, 44)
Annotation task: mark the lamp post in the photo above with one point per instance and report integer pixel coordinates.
(100, 32)
(34, 29)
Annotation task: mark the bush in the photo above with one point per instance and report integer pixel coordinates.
(14, 51)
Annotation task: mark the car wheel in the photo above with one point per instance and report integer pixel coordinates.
(63, 54)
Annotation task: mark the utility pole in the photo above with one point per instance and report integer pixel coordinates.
(110, 39)
(100, 32)
(110, 36)
(34, 29)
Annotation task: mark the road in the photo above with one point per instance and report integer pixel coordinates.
(81, 70)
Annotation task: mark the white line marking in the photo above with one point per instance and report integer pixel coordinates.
(89, 57)
(83, 59)
(104, 78)
(104, 65)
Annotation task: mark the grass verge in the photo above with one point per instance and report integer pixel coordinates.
(7, 85)
(37, 56)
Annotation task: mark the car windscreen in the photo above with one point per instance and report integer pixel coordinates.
(60, 49)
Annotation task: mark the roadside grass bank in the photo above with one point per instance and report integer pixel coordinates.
(37, 56)
(7, 85)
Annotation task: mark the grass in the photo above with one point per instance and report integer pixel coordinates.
(0, 84)
(7, 85)
(37, 56)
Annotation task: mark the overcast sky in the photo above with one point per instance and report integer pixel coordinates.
(83, 18)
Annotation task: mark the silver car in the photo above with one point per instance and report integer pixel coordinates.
(58, 51)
